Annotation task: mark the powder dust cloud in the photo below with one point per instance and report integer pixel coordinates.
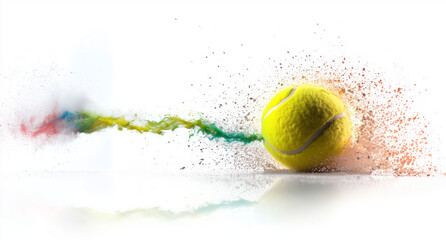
(225, 100)
(143, 120)
(390, 136)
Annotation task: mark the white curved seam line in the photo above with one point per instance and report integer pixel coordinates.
(281, 102)
(312, 138)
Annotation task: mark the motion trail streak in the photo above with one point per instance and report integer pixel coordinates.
(89, 122)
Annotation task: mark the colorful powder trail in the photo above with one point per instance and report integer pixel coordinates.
(88, 122)
(391, 136)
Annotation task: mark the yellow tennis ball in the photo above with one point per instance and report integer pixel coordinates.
(304, 127)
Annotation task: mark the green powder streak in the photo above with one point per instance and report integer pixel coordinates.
(88, 122)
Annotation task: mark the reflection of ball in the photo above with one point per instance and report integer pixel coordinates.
(304, 127)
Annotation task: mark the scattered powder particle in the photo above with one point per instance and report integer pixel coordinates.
(390, 136)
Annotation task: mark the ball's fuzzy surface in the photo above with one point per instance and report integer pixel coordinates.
(304, 127)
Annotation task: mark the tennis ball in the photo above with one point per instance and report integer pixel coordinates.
(305, 127)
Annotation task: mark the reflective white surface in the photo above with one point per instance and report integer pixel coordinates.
(49, 205)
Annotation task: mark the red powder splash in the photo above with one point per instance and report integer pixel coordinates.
(49, 127)
(391, 137)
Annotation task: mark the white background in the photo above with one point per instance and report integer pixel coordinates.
(156, 58)
(143, 57)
